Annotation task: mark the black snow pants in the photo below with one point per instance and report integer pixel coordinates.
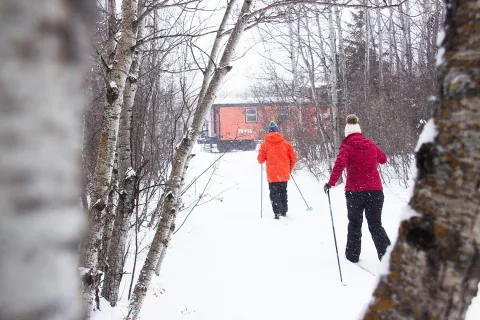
(278, 197)
(372, 203)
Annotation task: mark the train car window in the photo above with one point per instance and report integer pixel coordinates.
(283, 115)
(251, 115)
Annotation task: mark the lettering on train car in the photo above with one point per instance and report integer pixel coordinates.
(244, 131)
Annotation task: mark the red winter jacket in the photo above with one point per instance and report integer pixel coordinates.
(360, 156)
(279, 155)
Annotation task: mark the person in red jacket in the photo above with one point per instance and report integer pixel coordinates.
(280, 158)
(363, 189)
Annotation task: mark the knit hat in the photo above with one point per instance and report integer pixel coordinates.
(352, 125)
(273, 127)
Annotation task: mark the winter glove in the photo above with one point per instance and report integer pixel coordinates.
(326, 188)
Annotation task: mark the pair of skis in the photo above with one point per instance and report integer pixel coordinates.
(364, 268)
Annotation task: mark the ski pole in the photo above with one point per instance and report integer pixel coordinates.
(308, 207)
(334, 237)
(261, 190)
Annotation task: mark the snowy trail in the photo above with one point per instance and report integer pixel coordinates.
(227, 263)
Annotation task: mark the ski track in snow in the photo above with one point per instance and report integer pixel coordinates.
(227, 263)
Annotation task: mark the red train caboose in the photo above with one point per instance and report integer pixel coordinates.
(241, 125)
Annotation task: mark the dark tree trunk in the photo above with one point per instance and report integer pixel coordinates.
(435, 264)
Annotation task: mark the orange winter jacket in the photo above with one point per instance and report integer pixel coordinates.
(279, 155)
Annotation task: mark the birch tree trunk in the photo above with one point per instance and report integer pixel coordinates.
(403, 46)
(380, 46)
(333, 80)
(294, 63)
(429, 44)
(408, 39)
(435, 265)
(106, 152)
(158, 267)
(341, 58)
(181, 156)
(323, 55)
(109, 51)
(391, 42)
(112, 28)
(322, 47)
(423, 42)
(367, 52)
(399, 58)
(164, 251)
(110, 212)
(438, 14)
(43, 54)
(127, 178)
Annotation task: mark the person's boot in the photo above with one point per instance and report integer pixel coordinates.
(276, 216)
(284, 214)
(351, 258)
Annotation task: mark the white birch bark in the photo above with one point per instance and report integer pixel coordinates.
(43, 52)
(341, 58)
(109, 55)
(127, 179)
(391, 42)
(380, 45)
(428, 31)
(109, 218)
(294, 62)
(333, 80)
(434, 267)
(172, 226)
(322, 47)
(436, 26)
(112, 28)
(366, 75)
(402, 67)
(157, 211)
(164, 251)
(423, 46)
(408, 39)
(110, 124)
(180, 160)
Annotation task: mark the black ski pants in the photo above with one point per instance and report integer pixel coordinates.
(278, 197)
(372, 203)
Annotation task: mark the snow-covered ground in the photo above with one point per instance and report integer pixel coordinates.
(229, 263)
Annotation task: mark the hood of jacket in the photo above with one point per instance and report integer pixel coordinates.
(274, 137)
(358, 141)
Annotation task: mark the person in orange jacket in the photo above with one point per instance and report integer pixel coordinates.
(280, 158)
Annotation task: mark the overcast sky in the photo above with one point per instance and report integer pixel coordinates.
(249, 63)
